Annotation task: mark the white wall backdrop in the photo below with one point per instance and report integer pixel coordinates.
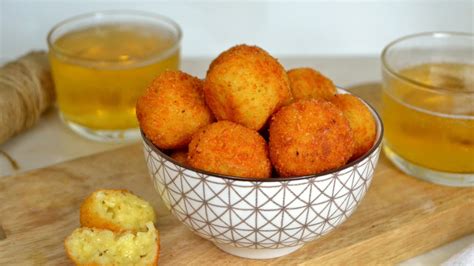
(283, 28)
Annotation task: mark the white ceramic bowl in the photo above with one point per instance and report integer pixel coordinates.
(261, 219)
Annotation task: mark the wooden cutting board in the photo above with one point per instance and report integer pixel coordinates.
(399, 217)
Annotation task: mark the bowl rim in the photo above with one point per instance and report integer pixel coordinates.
(377, 142)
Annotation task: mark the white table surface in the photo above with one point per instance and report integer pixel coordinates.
(50, 142)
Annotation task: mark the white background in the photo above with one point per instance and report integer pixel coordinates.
(288, 28)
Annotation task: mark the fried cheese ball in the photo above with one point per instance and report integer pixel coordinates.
(308, 83)
(309, 137)
(116, 210)
(231, 149)
(361, 121)
(172, 109)
(181, 156)
(246, 85)
(93, 246)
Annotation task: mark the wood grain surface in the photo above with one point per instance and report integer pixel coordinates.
(399, 217)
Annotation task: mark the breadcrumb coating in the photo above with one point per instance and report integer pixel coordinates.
(172, 109)
(231, 149)
(116, 210)
(181, 156)
(309, 137)
(307, 83)
(361, 122)
(246, 85)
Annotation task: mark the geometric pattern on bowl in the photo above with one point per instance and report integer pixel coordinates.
(260, 215)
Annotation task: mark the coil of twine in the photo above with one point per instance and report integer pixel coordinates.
(26, 91)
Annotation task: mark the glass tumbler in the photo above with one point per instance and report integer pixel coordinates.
(102, 62)
(428, 106)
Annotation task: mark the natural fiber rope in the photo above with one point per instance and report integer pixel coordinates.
(26, 91)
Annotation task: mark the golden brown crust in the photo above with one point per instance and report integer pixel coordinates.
(246, 85)
(68, 251)
(307, 83)
(157, 258)
(89, 217)
(172, 109)
(309, 137)
(181, 156)
(230, 149)
(361, 121)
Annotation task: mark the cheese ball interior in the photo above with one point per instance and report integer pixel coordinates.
(361, 121)
(246, 85)
(116, 210)
(230, 149)
(309, 137)
(307, 83)
(92, 246)
(172, 109)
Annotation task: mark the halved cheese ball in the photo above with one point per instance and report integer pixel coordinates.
(116, 210)
(92, 246)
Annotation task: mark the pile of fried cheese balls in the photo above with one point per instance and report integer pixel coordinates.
(250, 116)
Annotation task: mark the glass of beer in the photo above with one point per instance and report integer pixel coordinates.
(101, 63)
(428, 106)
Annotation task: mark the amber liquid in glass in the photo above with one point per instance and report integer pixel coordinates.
(442, 139)
(101, 71)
